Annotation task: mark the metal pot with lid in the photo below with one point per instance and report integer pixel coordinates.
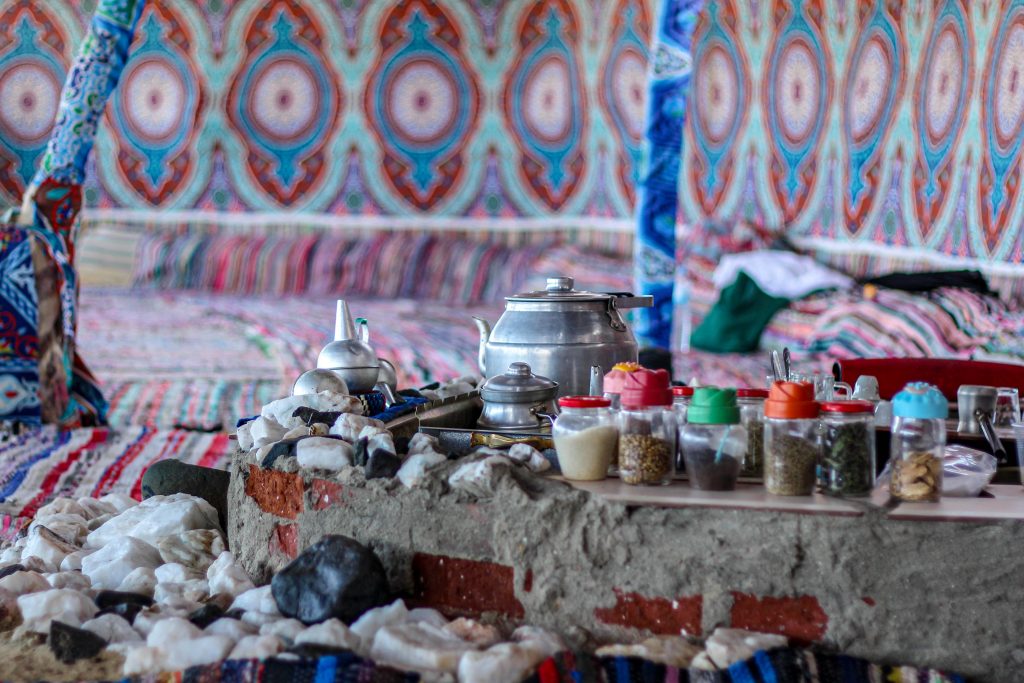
(561, 332)
(518, 400)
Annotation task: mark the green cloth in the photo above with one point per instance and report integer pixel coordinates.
(734, 324)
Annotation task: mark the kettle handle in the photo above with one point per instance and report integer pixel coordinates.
(628, 300)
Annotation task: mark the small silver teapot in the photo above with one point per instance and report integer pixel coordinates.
(348, 356)
(518, 401)
(561, 333)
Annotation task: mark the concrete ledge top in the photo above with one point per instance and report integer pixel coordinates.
(997, 503)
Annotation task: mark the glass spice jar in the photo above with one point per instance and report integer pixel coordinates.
(647, 431)
(791, 447)
(847, 448)
(751, 405)
(681, 397)
(918, 443)
(713, 441)
(586, 437)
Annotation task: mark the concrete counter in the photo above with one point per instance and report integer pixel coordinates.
(937, 585)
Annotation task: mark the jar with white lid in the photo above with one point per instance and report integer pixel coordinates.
(586, 437)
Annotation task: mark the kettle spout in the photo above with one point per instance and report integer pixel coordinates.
(485, 334)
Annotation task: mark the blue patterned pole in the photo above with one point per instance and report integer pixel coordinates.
(655, 251)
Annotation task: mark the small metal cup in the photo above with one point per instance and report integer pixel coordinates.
(971, 398)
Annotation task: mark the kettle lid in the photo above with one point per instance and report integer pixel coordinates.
(518, 385)
(559, 289)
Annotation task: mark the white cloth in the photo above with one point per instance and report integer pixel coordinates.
(779, 273)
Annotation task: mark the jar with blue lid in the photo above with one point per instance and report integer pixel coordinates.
(918, 443)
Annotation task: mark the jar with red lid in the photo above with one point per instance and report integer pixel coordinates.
(791, 449)
(847, 448)
(647, 429)
(751, 405)
(586, 437)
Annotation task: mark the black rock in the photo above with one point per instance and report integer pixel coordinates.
(10, 569)
(108, 599)
(206, 615)
(125, 610)
(235, 614)
(402, 445)
(336, 577)
(360, 455)
(311, 417)
(382, 464)
(168, 477)
(69, 644)
(281, 449)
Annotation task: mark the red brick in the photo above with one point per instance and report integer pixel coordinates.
(800, 618)
(870, 602)
(457, 586)
(323, 494)
(285, 540)
(658, 615)
(277, 493)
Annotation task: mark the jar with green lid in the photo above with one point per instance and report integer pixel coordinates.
(917, 443)
(847, 448)
(713, 441)
(791, 448)
(751, 405)
(647, 429)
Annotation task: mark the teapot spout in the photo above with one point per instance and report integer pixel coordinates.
(485, 335)
(344, 328)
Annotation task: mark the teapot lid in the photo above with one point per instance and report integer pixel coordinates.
(559, 289)
(518, 385)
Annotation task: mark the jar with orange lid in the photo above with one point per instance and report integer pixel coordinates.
(647, 431)
(791, 446)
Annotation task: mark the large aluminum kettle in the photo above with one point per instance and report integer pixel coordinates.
(561, 333)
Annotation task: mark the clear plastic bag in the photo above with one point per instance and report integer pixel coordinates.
(965, 472)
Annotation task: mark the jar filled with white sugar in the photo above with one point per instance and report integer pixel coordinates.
(586, 437)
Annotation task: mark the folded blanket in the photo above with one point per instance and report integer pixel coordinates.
(780, 273)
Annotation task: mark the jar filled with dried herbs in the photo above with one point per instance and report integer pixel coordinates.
(647, 429)
(791, 448)
(918, 442)
(847, 448)
(751, 404)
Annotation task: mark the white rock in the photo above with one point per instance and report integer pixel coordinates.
(257, 647)
(178, 606)
(73, 580)
(191, 591)
(10, 555)
(232, 628)
(726, 646)
(72, 562)
(227, 576)
(428, 615)
(324, 402)
(140, 580)
(371, 621)
(418, 646)
(119, 501)
(545, 642)
(349, 425)
(322, 453)
(528, 455)
(108, 567)
(196, 549)
(503, 663)
(265, 431)
(113, 629)
(413, 471)
(96, 507)
(172, 629)
(423, 443)
(173, 572)
(257, 600)
(296, 433)
(285, 629)
(473, 631)
(71, 528)
(62, 604)
(668, 650)
(147, 619)
(96, 522)
(156, 518)
(144, 660)
(330, 633)
(370, 431)
(62, 506)
(382, 441)
(244, 434)
(479, 478)
(37, 564)
(183, 654)
(259, 619)
(23, 583)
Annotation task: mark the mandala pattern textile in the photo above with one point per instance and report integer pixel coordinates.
(458, 115)
(869, 131)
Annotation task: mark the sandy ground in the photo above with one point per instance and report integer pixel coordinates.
(29, 659)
